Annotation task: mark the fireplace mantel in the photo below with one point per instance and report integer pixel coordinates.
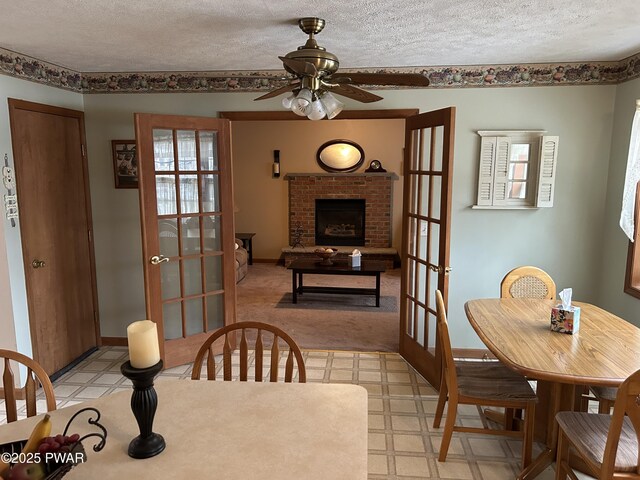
(391, 175)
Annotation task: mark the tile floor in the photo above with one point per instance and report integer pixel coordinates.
(402, 442)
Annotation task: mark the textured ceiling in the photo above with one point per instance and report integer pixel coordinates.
(210, 35)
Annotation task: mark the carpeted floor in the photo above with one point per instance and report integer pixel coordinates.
(322, 321)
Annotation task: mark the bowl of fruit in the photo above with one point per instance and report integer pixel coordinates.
(326, 254)
(44, 456)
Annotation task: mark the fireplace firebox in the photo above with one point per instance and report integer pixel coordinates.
(340, 221)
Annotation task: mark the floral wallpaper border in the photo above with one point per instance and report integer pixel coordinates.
(590, 73)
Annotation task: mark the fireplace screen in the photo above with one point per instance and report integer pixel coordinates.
(340, 222)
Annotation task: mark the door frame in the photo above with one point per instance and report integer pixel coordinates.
(236, 116)
(15, 104)
(280, 115)
(345, 115)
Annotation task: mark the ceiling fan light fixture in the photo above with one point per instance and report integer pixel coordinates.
(302, 103)
(313, 69)
(331, 105)
(288, 100)
(317, 110)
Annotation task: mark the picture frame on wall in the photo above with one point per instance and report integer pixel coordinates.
(125, 163)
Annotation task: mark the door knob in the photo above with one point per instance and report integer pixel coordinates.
(38, 264)
(158, 259)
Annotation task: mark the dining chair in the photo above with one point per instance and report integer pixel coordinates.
(293, 356)
(605, 396)
(606, 444)
(528, 282)
(487, 384)
(36, 378)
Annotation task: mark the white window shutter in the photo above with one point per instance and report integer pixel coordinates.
(486, 170)
(501, 175)
(547, 171)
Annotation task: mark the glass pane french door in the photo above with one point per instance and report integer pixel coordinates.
(426, 217)
(187, 216)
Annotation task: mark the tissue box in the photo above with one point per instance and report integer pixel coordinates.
(565, 321)
(355, 260)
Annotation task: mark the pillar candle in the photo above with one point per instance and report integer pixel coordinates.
(144, 349)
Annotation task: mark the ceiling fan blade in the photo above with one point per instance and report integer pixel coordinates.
(404, 79)
(278, 91)
(300, 67)
(355, 93)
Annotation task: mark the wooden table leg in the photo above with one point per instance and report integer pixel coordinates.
(552, 398)
(377, 289)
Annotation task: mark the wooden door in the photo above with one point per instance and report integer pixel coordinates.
(186, 204)
(55, 226)
(428, 164)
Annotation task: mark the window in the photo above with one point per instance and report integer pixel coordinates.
(632, 279)
(517, 169)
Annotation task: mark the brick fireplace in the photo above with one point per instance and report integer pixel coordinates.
(374, 188)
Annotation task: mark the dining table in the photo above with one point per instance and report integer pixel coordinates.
(226, 430)
(603, 352)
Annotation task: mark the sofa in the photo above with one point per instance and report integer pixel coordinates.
(242, 258)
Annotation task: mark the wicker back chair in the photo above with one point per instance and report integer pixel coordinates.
(528, 282)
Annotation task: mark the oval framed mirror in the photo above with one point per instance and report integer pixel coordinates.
(340, 156)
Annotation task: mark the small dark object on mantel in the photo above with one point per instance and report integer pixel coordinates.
(375, 166)
(296, 236)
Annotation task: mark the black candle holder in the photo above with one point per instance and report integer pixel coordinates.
(144, 402)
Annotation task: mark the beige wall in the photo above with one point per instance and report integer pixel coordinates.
(610, 269)
(263, 200)
(14, 320)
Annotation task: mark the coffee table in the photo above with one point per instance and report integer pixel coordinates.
(368, 268)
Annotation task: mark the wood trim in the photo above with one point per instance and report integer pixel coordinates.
(632, 275)
(345, 115)
(266, 260)
(476, 353)
(114, 341)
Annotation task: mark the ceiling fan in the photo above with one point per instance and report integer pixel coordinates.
(314, 69)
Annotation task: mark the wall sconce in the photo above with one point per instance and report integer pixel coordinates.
(276, 164)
